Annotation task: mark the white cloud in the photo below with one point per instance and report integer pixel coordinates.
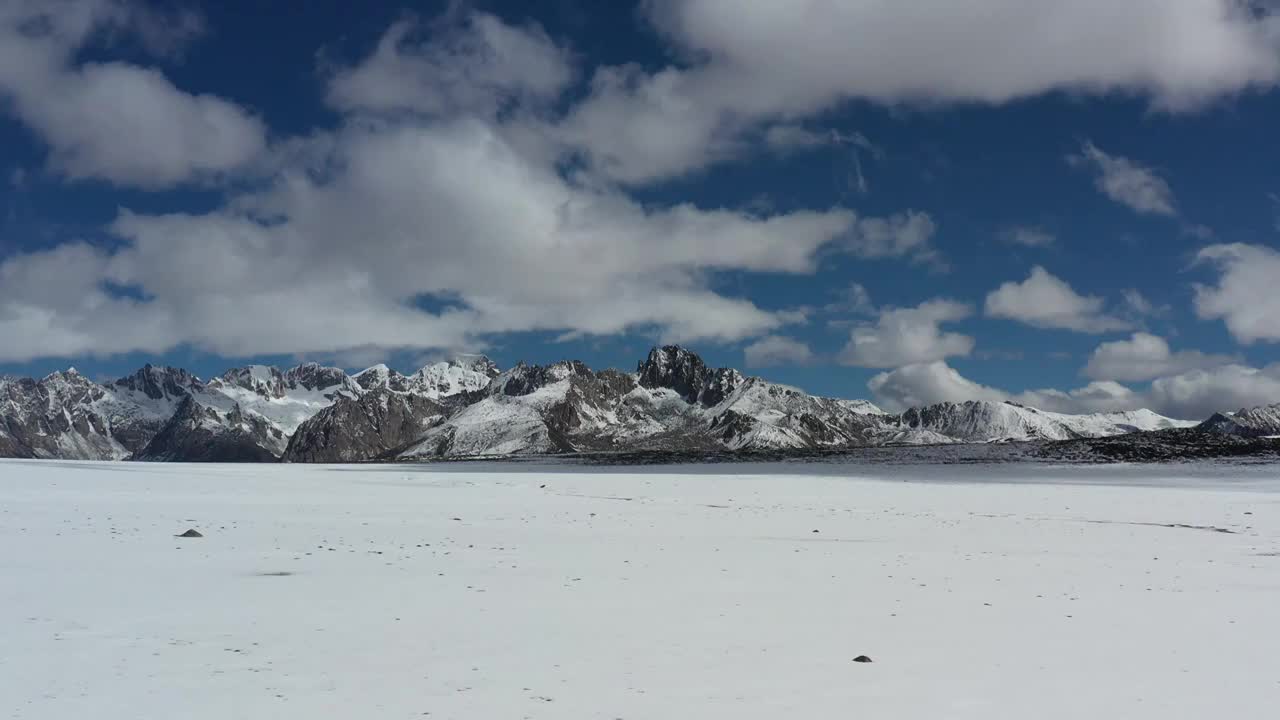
(428, 194)
(852, 300)
(1138, 305)
(777, 351)
(480, 66)
(1190, 395)
(908, 234)
(1127, 182)
(1045, 301)
(115, 121)
(937, 382)
(1096, 397)
(1144, 357)
(1027, 236)
(926, 384)
(1245, 295)
(326, 262)
(906, 336)
(794, 138)
(755, 63)
(1193, 395)
(1200, 393)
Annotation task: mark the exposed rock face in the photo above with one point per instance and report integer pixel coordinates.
(160, 383)
(369, 427)
(675, 368)
(197, 433)
(673, 402)
(1161, 446)
(467, 407)
(273, 383)
(1255, 422)
(466, 374)
(978, 421)
(65, 415)
(981, 421)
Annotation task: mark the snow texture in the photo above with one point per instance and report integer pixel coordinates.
(467, 592)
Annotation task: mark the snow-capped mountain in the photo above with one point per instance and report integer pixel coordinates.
(983, 421)
(368, 427)
(467, 407)
(199, 433)
(66, 415)
(1247, 422)
(467, 373)
(672, 402)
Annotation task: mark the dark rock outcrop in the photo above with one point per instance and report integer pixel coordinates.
(364, 428)
(197, 433)
(1160, 446)
(1248, 423)
(678, 369)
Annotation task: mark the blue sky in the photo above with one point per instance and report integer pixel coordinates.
(956, 203)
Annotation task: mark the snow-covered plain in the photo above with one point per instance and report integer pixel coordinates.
(479, 592)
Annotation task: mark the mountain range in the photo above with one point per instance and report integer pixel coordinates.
(469, 407)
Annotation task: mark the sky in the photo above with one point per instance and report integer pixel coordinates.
(1069, 205)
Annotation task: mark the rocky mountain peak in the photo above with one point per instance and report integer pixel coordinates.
(381, 376)
(465, 373)
(314, 376)
(261, 379)
(476, 363)
(525, 379)
(1246, 422)
(158, 382)
(675, 368)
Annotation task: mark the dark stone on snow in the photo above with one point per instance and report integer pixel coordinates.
(192, 533)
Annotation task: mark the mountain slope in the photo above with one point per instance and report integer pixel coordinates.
(467, 407)
(1252, 422)
(363, 428)
(983, 421)
(198, 433)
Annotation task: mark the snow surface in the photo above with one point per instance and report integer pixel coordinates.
(482, 591)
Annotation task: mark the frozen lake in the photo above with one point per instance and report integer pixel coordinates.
(534, 590)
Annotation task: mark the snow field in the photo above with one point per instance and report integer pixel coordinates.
(463, 592)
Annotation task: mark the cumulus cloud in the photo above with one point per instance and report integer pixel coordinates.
(1045, 301)
(851, 300)
(1244, 296)
(112, 120)
(1192, 395)
(926, 384)
(419, 71)
(412, 230)
(441, 211)
(908, 234)
(1096, 397)
(1144, 357)
(905, 336)
(1200, 393)
(937, 382)
(777, 351)
(756, 63)
(1127, 182)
